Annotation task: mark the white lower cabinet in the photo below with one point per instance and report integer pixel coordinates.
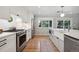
(8, 43)
(28, 34)
(57, 42)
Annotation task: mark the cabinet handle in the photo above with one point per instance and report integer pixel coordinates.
(76, 45)
(3, 40)
(3, 44)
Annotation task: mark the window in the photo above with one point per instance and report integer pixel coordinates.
(63, 24)
(60, 24)
(67, 24)
(45, 23)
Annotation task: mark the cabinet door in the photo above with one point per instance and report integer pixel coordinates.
(71, 44)
(68, 44)
(75, 45)
(55, 40)
(61, 45)
(10, 45)
(28, 35)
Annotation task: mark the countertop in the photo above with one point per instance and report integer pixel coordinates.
(73, 33)
(58, 33)
(9, 33)
(4, 34)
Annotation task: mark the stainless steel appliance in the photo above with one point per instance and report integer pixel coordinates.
(20, 38)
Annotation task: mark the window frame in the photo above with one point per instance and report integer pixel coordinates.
(45, 26)
(64, 19)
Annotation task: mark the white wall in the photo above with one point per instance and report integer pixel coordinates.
(44, 31)
(24, 14)
(41, 30)
(6, 11)
(75, 19)
(4, 24)
(55, 21)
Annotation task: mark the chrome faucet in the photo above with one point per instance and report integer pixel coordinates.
(69, 28)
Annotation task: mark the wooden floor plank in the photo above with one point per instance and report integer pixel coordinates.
(40, 44)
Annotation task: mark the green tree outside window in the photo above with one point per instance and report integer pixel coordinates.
(46, 23)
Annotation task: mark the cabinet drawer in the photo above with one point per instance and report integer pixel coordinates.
(8, 45)
(28, 35)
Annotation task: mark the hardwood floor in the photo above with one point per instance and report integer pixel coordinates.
(40, 44)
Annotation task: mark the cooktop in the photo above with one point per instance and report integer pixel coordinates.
(14, 30)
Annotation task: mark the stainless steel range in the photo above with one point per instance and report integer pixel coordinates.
(20, 39)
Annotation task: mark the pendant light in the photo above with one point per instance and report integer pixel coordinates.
(62, 13)
(10, 18)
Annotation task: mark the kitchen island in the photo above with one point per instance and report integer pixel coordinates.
(71, 41)
(64, 39)
(73, 33)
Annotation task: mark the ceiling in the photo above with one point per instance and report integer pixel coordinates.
(39, 10)
(51, 10)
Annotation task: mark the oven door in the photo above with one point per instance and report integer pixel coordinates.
(21, 42)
